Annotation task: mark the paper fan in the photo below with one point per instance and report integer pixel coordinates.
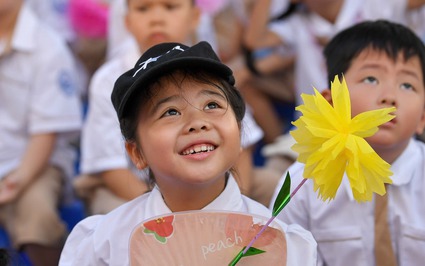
(205, 238)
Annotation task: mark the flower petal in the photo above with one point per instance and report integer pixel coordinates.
(330, 144)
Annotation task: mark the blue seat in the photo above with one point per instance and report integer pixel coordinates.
(71, 214)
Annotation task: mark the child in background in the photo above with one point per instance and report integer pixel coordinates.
(181, 118)
(383, 64)
(307, 30)
(40, 116)
(108, 178)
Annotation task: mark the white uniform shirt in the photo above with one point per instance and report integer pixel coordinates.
(344, 228)
(104, 239)
(301, 29)
(416, 21)
(38, 93)
(102, 143)
(54, 13)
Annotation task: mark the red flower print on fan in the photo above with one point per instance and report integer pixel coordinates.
(162, 228)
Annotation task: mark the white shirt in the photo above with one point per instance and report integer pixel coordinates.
(38, 94)
(301, 29)
(104, 239)
(344, 228)
(102, 145)
(55, 14)
(416, 21)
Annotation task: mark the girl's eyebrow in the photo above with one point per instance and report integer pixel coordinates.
(175, 97)
(163, 101)
(213, 93)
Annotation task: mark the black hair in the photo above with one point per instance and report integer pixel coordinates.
(381, 35)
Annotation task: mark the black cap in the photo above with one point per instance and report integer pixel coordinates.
(160, 60)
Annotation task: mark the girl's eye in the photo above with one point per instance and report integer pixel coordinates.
(212, 105)
(407, 86)
(370, 80)
(170, 112)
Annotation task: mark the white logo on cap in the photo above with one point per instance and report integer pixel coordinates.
(144, 64)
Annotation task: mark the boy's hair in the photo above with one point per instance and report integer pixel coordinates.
(380, 35)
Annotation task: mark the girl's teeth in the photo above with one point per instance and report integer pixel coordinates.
(198, 149)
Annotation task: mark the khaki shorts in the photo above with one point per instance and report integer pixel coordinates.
(97, 198)
(34, 218)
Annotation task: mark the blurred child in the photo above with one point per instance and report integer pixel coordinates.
(109, 178)
(181, 119)
(383, 64)
(40, 114)
(265, 81)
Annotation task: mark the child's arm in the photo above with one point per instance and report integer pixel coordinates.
(257, 34)
(412, 4)
(123, 183)
(244, 169)
(34, 161)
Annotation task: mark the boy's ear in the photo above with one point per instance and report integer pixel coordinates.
(135, 155)
(327, 95)
(421, 125)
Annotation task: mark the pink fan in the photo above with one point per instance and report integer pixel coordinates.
(205, 238)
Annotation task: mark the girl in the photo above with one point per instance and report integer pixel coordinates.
(180, 116)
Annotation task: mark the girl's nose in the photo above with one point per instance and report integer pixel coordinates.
(197, 121)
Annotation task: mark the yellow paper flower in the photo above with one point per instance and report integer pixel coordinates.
(330, 144)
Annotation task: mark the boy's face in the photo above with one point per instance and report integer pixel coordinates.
(156, 21)
(376, 81)
(188, 136)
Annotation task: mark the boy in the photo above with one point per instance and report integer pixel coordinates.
(40, 115)
(383, 64)
(312, 24)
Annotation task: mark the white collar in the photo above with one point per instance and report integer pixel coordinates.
(347, 16)
(229, 200)
(404, 168)
(25, 29)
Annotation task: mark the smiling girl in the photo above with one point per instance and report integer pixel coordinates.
(181, 118)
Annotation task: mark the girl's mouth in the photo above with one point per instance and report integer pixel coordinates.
(199, 148)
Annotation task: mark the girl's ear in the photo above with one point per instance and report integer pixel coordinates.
(136, 155)
(327, 95)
